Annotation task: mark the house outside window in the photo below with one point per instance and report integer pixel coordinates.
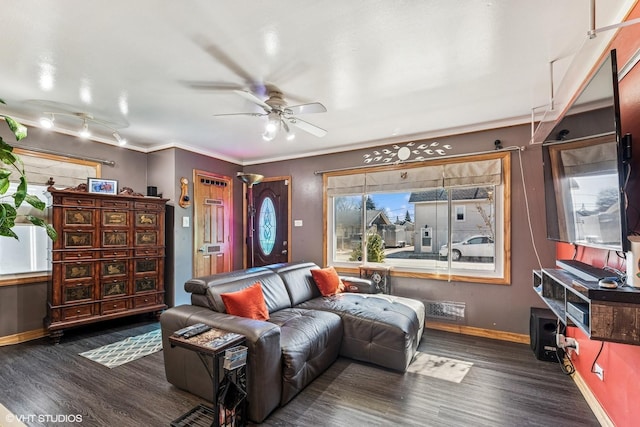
(375, 217)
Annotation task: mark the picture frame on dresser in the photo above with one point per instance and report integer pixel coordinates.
(102, 186)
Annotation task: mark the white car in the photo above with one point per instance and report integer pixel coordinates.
(474, 246)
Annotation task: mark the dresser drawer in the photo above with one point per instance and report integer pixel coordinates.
(77, 293)
(78, 217)
(149, 252)
(78, 201)
(77, 312)
(80, 270)
(114, 268)
(145, 265)
(144, 301)
(114, 306)
(113, 218)
(145, 284)
(78, 239)
(115, 253)
(148, 205)
(120, 204)
(146, 219)
(73, 255)
(146, 238)
(114, 288)
(114, 238)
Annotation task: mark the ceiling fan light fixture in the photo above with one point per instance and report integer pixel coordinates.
(291, 136)
(269, 135)
(274, 122)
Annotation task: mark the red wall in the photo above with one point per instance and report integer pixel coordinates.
(619, 392)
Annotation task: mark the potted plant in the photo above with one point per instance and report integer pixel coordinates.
(11, 162)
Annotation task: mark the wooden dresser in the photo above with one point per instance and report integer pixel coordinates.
(108, 260)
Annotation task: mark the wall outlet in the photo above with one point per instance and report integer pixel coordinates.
(597, 369)
(185, 221)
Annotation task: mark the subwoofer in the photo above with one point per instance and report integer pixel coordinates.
(542, 333)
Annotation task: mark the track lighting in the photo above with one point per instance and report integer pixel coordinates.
(47, 122)
(121, 141)
(48, 119)
(84, 132)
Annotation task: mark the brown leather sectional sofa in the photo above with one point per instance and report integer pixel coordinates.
(305, 334)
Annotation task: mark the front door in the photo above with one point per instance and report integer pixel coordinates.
(211, 223)
(271, 222)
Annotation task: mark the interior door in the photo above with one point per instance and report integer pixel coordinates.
(271, 222)
(212, 223)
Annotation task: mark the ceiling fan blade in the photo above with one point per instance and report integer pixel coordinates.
(313, 107)
(285, 126)
(211, 85)
(307, 127)
(251, 97)
(240, 114)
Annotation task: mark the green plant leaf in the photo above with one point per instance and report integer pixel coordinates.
(8, 232)
(4, 185)
(19, 130)
(51, 232)
(35, 202)
(4, 173)
(21, 192)
(8, 215)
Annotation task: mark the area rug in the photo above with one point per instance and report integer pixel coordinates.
(439, 367)
(127, 350)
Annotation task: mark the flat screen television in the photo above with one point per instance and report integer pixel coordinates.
(585, 167)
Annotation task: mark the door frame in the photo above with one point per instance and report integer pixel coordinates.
(245, 216)
(229, 219)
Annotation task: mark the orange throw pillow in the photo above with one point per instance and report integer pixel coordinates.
(327, 280)
(247, 302)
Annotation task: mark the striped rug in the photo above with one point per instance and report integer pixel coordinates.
(127, 350)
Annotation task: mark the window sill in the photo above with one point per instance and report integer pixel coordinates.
(23, 279)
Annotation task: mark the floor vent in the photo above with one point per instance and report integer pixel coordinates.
(445, 310)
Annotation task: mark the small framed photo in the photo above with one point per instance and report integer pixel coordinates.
(103, 186)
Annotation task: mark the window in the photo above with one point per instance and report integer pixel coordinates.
(445, 220)
(267, 226)
(31, 253)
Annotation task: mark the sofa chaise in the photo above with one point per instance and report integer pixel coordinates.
(304, 334)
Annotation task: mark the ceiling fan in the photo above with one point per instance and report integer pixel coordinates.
(280, 115)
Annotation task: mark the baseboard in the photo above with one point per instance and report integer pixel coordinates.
(479, 332)
(593, 403)
(23, 337)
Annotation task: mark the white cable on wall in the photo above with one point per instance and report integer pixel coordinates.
(526, 202)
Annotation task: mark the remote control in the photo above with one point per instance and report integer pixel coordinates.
(192, 331)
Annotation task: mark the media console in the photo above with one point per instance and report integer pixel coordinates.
(602, 314)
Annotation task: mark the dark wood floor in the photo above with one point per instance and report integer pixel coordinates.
(506, 386)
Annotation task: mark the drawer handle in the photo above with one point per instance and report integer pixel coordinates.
(146, 300)
(78, 311)
(115, 305)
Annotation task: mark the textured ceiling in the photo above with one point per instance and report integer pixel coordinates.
(386, 70)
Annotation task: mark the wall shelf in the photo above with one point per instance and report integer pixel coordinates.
(602, 314)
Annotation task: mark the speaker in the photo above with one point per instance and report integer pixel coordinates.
(542, 334)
